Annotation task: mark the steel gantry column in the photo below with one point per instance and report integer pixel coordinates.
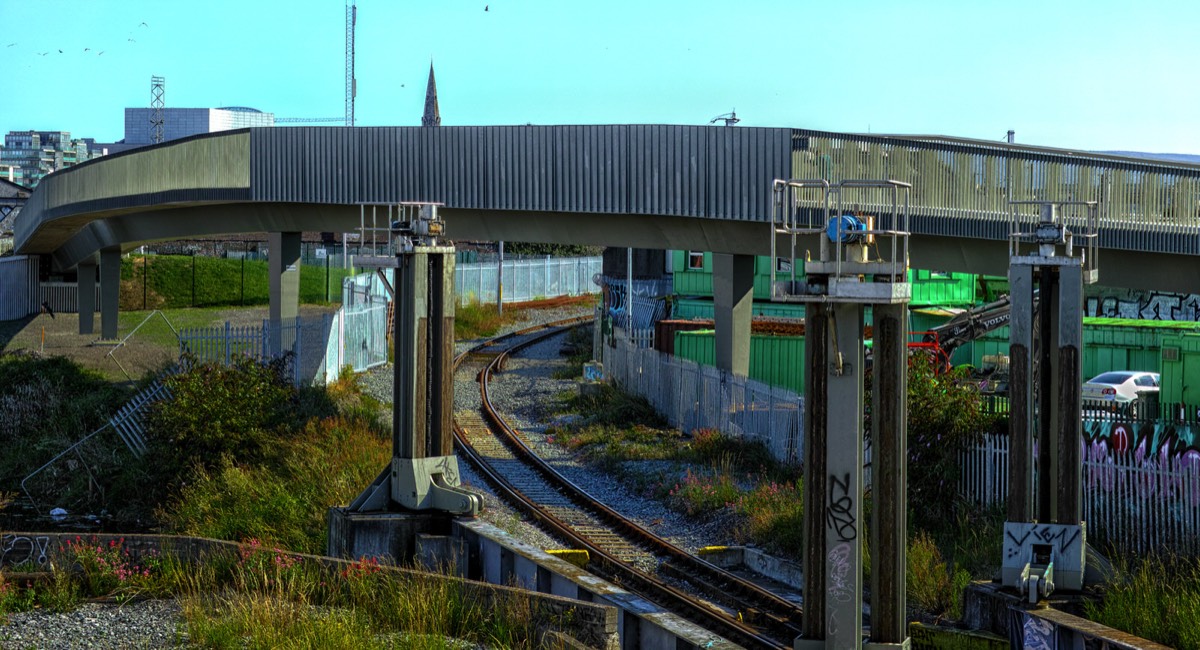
(423, 473)
(1045, 535)
(837, 288)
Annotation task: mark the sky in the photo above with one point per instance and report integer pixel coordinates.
(1081, 74)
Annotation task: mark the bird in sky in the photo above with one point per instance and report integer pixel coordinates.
(100, 52)
(86, 49)
(143, 25)
(132, 41)
(10, 45)
(42, 53)
(485, 7)
(60, 51)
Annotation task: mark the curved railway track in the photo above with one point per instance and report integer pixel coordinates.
(620, 550)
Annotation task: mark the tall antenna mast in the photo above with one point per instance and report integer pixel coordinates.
(157, 89)
(351, 82)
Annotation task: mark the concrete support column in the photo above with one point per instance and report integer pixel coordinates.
(284, 266)
(1020, 393)
(733, 297)
(110, 291)
(889, 476)
(833, 487)
(1069, 506)
(87, 297)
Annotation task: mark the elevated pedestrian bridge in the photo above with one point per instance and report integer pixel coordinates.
(647, 186)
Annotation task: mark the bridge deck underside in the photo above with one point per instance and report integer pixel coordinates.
(656, 186)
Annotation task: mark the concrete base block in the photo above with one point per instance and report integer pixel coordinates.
(388, 536)
(442, 554)
(590, 388)
(985, 607)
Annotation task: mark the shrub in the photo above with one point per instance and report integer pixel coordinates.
(219, 410)
(945, 417)
(773, 516)
(930, 584)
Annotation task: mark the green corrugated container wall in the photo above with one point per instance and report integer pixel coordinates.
(698, 282)
(774, 360)
(1180, 369)
(929, 288)
(1108, 344)
(691, 308)
(943, 289)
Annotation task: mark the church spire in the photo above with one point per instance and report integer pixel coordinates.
(432, 116)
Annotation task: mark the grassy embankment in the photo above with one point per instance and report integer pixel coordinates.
(174, 281)
(238, 454)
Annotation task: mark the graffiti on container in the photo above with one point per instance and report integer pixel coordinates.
(1144, 305)
(21, 549)
(839, 512)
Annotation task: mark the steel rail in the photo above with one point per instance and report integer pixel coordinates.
(756, 611)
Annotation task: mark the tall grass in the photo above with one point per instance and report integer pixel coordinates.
(1158, 600)
(477, 320)
(263, 597)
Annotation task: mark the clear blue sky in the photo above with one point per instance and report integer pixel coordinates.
(1089, 74)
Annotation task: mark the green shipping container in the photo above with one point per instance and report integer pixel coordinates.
(1108, 343)
(1180, 382)
(942, 289)
(692, 308)
(929, 287)
(698, 281)
(774, 360)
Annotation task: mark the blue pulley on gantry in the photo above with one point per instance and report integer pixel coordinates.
(852, 229)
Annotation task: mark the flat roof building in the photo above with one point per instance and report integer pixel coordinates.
(182, 122)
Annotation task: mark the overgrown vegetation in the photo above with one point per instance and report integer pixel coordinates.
(945, 417)
(47, 405)
(264, 597)
(1158, 600)
(262, 459)
(476, 320)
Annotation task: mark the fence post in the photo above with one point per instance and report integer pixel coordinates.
(298, 351)
(227, 328)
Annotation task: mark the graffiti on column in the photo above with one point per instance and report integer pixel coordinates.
(839, 512)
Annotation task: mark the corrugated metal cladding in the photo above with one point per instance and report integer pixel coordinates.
(701, 171)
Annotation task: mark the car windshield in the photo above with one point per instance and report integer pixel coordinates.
(1112, 378)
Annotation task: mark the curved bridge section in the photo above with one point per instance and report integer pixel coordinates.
(653, 186)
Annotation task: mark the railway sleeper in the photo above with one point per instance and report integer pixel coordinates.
(728, 594)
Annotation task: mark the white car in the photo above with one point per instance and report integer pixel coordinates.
(1119, 391)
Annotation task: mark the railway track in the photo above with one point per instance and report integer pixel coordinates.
(619, 550)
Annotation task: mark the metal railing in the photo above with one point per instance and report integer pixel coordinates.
(691, 396)
(129, 423)
(966, 185)
(1137, 502)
